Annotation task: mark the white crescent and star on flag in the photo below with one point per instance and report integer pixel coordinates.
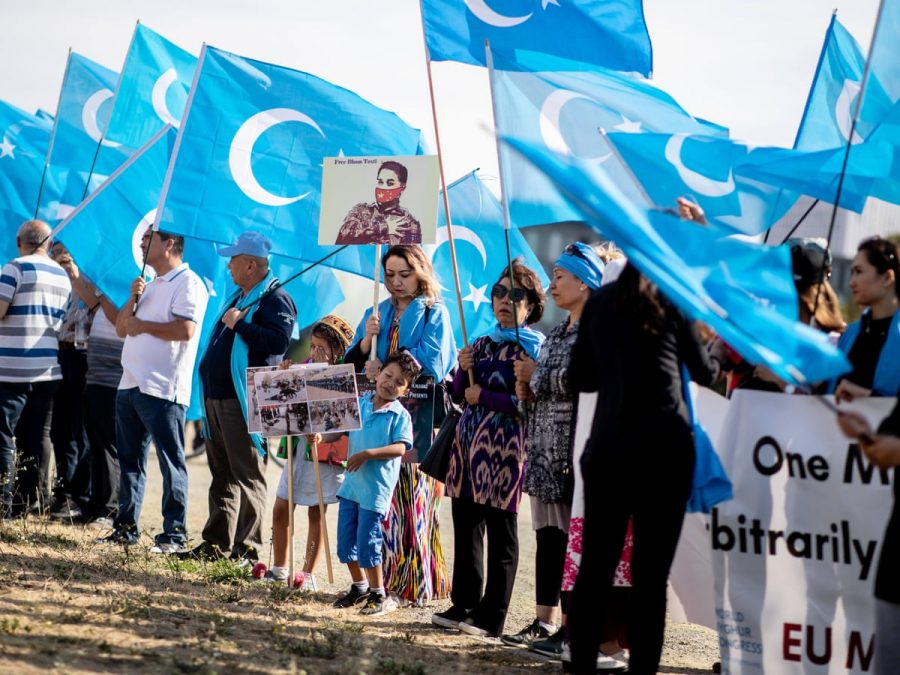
(241, 152)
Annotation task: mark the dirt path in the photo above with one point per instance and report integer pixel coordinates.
(68, 605)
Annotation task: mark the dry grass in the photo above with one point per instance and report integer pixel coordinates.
(69, 605)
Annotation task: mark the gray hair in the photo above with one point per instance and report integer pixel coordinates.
(35, 233)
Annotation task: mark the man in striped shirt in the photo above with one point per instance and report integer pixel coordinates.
(33, 294)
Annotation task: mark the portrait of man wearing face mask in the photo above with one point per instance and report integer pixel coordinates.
(383, 221)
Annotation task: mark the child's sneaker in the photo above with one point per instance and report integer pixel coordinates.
(305, 582)
(351, 598)
(275, 576)
(377, 604)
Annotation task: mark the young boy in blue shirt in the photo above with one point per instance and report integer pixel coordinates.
(373, 468)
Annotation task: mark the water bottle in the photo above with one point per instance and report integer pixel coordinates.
(82, 327)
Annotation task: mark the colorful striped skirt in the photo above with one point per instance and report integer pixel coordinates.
(414, 566)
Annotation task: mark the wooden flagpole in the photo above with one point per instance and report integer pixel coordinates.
(446, 196)
(314, 455)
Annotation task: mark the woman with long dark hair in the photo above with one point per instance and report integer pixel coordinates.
(872, 344)
(630, 348)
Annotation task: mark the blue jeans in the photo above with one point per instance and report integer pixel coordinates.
(360, 534)
(140, 418)
(19, 476)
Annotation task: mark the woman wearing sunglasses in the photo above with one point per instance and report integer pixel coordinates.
(486, 463)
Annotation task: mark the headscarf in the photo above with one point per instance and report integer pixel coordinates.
(582, 261)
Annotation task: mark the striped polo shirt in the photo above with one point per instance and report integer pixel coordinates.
(36, 289)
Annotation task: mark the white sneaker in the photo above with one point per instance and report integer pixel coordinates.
(101, 523)
(612, 663)
(166, 548)
(377, 604)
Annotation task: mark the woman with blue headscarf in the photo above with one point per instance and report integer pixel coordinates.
(549, 473)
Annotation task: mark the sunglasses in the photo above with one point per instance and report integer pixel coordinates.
(499, 291)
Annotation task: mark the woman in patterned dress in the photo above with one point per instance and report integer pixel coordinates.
(550, 471)
(486, 463)
(414, 318)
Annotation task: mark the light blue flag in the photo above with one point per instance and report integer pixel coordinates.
(832, 97)
(84, 105)
(478, 234)
(23, 146)
(565, 109)
(42, 114)
(153, 88)
(882, 90)
(743, 291)
(249, 155)
(608, 33)
(703, 169)
(817, 173)
(103, 233)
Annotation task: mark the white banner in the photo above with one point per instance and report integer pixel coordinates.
(795, 553)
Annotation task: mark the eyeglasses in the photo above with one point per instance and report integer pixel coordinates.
(499, 291)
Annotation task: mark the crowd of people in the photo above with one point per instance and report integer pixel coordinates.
(116, 379)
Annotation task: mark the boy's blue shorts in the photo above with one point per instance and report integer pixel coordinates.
(360, 535)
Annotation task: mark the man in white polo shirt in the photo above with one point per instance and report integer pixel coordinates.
(33, 295)
(161, 339)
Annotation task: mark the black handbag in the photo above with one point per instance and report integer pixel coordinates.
(437, 462)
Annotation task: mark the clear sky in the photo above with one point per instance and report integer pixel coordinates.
(746, 64)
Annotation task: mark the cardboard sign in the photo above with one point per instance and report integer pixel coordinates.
(379, 200)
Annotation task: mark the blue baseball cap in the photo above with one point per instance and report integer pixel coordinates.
(249, 243)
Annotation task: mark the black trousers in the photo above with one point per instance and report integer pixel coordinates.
(100, 425)
(70, 444)
(652, 484)
(549, 561)
(20, 457)
(487, 599)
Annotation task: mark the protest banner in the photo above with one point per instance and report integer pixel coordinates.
(796, 551)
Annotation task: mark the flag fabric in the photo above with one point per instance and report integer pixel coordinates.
(84, 105)
(249, 155)
(745, 292)
(152, 90)
(23, 147)
(478, 234)
(608, 33)
(832, 97)
(817, 173)
(883, 86)
(103, 233)
(706, 169)
(565, 109)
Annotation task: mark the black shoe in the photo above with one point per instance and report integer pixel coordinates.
(205, 551)
(552, 646)
(449, 618)
(66, 509)
(117, 537)
(527, 635)
(351, 598)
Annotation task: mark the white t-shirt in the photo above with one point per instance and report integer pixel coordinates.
(165, 368)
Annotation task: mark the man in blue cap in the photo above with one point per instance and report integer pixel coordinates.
(253, 330)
